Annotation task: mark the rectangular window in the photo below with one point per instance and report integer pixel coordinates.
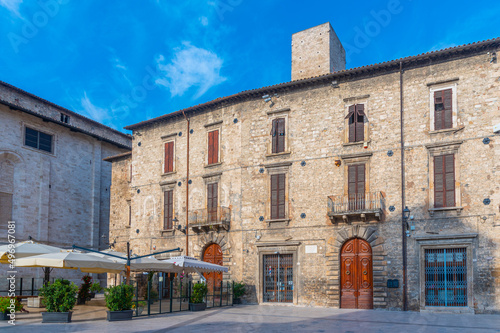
(446, 277)
(129, 213)
(356, 186)
(213, 147)
(444, 181)
(278, 278)
(278, 196)
(168, 210)
(169, 157)
(5, 209)
(278, 134)
(443, 109)
(38, 140)
(356, 117)
(64, 118)
(212, 202)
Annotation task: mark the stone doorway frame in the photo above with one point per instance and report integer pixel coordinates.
(204, 240)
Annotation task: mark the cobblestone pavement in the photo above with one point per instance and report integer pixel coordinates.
(265, 318)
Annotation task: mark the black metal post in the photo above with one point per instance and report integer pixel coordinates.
(221, 289)
(149, 304)
(21, 287)
(137, 298)
(160, 289)
(232, 295)
(32, 286)
(189, 292)
(180, 297)
(171, 293)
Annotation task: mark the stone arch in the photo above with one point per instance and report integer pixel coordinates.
(335, 243)
(204, 240)
(12, 182)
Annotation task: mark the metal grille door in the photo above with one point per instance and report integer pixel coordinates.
(278, 278)
(446, 277)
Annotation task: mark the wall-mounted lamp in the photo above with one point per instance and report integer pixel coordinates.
(338, 163)
(335, 84)
(268, 98)
(406, 216)
(178, 225)
(257, 237)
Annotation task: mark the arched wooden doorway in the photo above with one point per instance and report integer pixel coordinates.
(213, 254)
(356, 275)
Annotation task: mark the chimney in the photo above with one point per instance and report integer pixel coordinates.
(316, 51)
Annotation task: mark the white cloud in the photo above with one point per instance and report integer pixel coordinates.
(11, 5)
(204, 21)
(190, 67)
(93, 112)
(118, 63)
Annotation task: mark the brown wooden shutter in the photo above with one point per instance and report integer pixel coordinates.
(169, 157)
(278, 196)
(213, 147)
(448, 109)
(360, 122)
(281, 135)
(168, 209)
(438, 181)
(212, 201)
(438, 110)
(449, 180)
(356, 186)
(274, 137)
(352, 123)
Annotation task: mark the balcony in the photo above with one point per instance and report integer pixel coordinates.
(356, 207)
(210, 219)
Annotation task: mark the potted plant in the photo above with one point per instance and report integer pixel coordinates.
(119, 302)
(84, 292)
(196, 303)
(94, 289)
(9, 306)
(238, 291)
(140, 306)
(59, 300)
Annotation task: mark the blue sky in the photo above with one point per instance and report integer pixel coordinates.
(121, 62)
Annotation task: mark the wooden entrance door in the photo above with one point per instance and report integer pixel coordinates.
(213, 254)
(356, 276)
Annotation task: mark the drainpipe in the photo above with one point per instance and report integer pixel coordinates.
(403, 194)
(187, 187)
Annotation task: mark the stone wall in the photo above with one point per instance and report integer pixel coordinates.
(315, 140)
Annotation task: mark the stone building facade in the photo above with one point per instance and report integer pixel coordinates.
(53, 181)
(302, 189)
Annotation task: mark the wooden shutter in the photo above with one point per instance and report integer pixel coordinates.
(168, 209)
(352, 123)
(169, 157)
(278, 196)
(278, 136)
(448, 109)
(360, 122)
(5, 209)
(281, 135)
(444, 181)
(356, 186)
(212, 201)
(213, 147)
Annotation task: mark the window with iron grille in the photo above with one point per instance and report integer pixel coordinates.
(278, 278)
(446, 277)
(38, 140)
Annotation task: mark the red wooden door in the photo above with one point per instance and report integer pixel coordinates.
(213, 254)
(356, 276)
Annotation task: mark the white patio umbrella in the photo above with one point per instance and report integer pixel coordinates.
(149, 264)
(190, 264)
(26, 249)
(72, 260)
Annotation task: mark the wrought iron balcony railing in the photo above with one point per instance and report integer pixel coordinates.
(356, 206)
(210, 219)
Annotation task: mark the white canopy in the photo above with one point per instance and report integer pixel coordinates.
(193, 264)
(26, 249)
(72, 260)
(137, 265)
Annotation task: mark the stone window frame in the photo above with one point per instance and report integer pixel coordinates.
(45, 131)
(214, 126)
(129, 213)
(439, 149)
(271, 116)
(167, 186)
(273, 169)
(466, 241)
(352, 101)
(166, 139)
(439, 86)
(353, 159)
(282, 247)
